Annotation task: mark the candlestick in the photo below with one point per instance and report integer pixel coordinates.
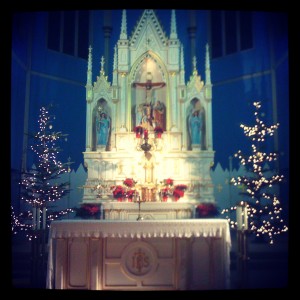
(242, 216)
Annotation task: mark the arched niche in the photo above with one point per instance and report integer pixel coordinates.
(196, 125)
(148, 94)
(101, 117)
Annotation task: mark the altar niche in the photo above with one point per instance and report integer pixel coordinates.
(148, 100)
(101, 126)
(195, 123)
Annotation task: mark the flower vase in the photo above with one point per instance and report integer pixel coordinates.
(137, 135)
(158, 135)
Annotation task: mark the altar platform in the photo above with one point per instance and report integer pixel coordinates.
(189, 254)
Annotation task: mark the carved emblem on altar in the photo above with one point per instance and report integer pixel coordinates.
(139, 260)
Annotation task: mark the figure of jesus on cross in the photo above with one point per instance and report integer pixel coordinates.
(149, 86)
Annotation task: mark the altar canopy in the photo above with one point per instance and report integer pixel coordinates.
(131, 255)
(149, 91)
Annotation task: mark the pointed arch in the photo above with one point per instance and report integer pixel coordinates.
(158, 65)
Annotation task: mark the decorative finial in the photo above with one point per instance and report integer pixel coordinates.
(173, 34)
(123, 35)
(102, 65)
(195, 65)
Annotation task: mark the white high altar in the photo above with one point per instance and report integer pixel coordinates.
(132, 255)
(125, 118)
(148, 156)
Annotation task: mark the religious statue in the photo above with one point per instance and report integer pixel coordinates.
(103, 128)
(159, 114)
(144, 112)
(139, 114)
(195, 127)
(147, 116)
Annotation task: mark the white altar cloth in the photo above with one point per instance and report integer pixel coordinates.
(102, 233)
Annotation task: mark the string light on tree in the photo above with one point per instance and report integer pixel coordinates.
(263, 207)
(37, 187)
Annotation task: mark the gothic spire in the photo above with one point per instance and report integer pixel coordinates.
(195, 72)
(115, 71)
(173, 32)
(89, 84)
(89, 69)
(207, 66)
(181, 58)
(123, 35)
(181, 65)
(115, 58)
(102, 65)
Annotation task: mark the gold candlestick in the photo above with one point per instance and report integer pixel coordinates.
(139, 201)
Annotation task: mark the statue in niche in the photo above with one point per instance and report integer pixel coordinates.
(139, 114)
(147, 117)
(159, 114)
(103, 128)
(195, 127)
(145, 111)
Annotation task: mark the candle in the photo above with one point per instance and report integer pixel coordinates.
(242, 216)
(44, 217)
(145, 133)
(33, 217)
(38, 219)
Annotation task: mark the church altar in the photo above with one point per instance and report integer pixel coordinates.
(189, 254)
(148, 210)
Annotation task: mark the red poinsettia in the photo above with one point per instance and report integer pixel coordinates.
(169, 181)
(165, 193)
(181, 187)
(129, 194)
(178, 193)
(207, 210)
(118, 192)
(87, 210)
(129, 182)
(138, 129)
(158, 129)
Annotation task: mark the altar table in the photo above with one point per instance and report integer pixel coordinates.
(139, 255)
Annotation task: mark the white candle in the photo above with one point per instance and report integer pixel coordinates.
(242, 216)
(38, 218)
(33, 217)
(44, 217)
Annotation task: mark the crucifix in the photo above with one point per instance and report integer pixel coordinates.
(145, 111)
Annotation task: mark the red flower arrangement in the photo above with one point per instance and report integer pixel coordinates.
(165, 193)
(138, 131)
(87, 210)
(158, 129)
(182, 187)
(168, 181)
(129, 195)
(206, 210)
(118, 192)
(129, 182)
(177, 192)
